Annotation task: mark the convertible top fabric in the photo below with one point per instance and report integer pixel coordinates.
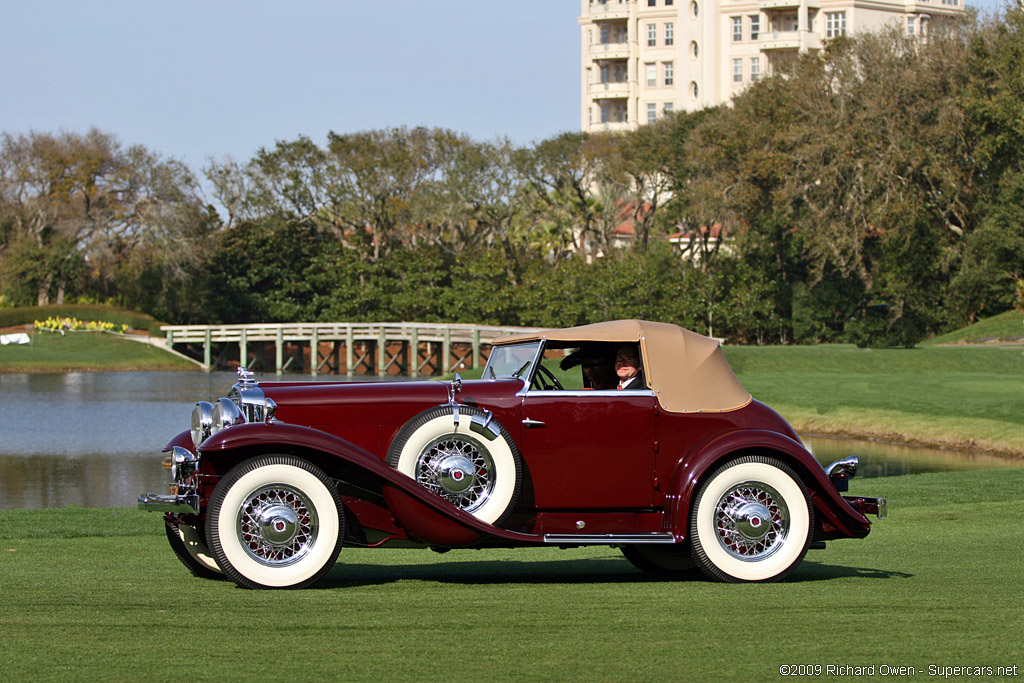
(687, 371)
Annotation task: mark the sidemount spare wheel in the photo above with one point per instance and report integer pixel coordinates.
(751, 520)
(464, 456)
(275, 521)
(189, 547)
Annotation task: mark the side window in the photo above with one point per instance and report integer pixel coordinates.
(629, 370)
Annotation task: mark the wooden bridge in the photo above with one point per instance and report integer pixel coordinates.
(382, 349)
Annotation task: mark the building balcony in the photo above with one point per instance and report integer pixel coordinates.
(789, 40)
(603, 11)
(611, 126)
(609, 50)
(769, 5)
(604, 91)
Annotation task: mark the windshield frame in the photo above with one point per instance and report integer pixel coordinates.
(522, 371)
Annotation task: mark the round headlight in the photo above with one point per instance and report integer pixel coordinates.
(202, 422)
(225, 414)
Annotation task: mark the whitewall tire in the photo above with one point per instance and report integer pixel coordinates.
(479, 470)
(751, 520)
(191, 549)
(275, 522)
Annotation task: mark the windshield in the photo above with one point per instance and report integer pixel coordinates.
(511, 361)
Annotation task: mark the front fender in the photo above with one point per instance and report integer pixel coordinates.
(706, 455)
(424, 515)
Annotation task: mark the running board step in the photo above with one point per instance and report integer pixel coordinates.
(607, 539)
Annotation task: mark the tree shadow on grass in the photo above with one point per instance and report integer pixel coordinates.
(573, 571)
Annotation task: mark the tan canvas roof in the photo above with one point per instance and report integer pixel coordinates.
(687, 371)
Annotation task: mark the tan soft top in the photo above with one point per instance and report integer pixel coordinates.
(687, 371)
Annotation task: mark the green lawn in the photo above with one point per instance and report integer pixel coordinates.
(98, 595)
(84, 351)
(961, 397)
(1008, 325)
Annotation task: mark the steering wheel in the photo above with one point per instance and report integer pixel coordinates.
(545, 379)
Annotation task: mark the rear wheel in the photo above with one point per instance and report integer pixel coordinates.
(751, 521)
(275, 522)
(666, 560)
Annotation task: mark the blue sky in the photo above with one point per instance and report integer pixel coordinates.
(209, 79)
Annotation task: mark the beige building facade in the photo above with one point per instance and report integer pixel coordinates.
(643, 58)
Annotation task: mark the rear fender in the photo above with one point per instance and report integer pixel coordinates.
(423, 515)
(705, 456)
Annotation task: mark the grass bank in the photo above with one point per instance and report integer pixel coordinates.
(97, 595)
(957, 397)
(86, 352)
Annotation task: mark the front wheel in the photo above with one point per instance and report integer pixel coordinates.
(191, 549)
(275, 522)
(751, 521)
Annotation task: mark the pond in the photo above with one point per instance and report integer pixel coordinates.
(94, 439)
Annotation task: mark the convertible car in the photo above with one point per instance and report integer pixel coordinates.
(681, 470)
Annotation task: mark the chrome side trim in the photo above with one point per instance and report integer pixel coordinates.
(165, 502)
(608, 539)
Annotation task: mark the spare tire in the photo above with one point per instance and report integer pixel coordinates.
(476, 469)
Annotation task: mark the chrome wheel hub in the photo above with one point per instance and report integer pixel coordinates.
(277, 525)
(458, 468)
(751, 521)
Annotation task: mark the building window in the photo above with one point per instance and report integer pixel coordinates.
(835, 24)
(953, 3)
(652, 35)
(652, 112)
(694, 90)
(604, 35)
(668, 3)
(621, 72)
(650, 3)
(669, 69)
(737, 71)
(694, 49)
(604, 73)
(621, 34)
(670, 33)
(652, 75)
(694, 9)
(670, 107)
(620, 113)
(755, 26)
(911, 26)
(737, 29)
(755, 68)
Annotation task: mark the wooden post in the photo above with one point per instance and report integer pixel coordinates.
(314, 352)
(446, 351)
(350, 357)
(243, 349)
(207, 351)
(280, 349)
(413, 356)
(381, 344)
(476, 349)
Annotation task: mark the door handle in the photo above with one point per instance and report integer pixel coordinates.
(533, 423)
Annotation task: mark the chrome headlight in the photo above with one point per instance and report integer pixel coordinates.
(183, 463)
(225, 414)
(202, 422)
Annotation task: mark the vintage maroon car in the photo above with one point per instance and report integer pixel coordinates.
(683, 470)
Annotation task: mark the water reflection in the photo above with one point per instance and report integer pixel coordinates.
(879, 459)
(93, 439)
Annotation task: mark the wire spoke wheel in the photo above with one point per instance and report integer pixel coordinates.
(458, 468)
(277, 525)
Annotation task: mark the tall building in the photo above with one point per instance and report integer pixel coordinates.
(643, 58)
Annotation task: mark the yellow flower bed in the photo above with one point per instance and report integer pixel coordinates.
(58, 324)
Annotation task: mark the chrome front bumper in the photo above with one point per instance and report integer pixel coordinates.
(168, 502)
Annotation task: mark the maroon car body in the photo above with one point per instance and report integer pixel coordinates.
(685, 474)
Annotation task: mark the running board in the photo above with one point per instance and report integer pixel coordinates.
(607, 539)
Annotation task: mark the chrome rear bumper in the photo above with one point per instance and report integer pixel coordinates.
(166, 502)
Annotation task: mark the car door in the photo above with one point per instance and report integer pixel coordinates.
(590, 449)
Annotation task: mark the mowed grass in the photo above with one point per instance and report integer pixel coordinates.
(959, 397)
(98, 595)
(85, 351)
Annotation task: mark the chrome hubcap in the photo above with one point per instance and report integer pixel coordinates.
(458, 468)
(751, 521)
(277, 525)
